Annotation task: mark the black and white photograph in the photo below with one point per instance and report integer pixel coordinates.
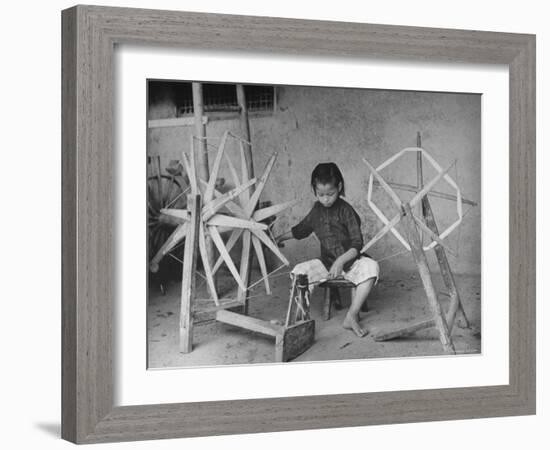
(308, 223)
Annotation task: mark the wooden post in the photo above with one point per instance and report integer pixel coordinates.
(194, 205)
(424, 271)
(419, 175)
(200, 132)
(245, 128)
(203, 170)
(445, 269)
(427, 214)
(246, 266)
(327, 307)
(419, 171)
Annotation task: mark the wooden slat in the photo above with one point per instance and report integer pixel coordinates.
(264, 213)
(177, 235)
(246, 175)
(190, 172)
(384, 185)
(235, 177)
(436, 194)
(209, 192)
(174, 122)
(245, 268)
(445, 269)
(230, 205)
(399, 331)
(182, 214)
(428, 187)
(251, 206)
(209, 273)
(392, 223)
(432, 235)
(249, 323)
(221, 220)
(425, 276)
(223, 199)
(205, 305)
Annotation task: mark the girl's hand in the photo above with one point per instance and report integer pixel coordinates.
(336, 269)
(283, 237)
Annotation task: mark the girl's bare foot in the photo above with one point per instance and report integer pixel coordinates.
(351, 323)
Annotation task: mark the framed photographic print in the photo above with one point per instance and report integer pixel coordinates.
(258, 213)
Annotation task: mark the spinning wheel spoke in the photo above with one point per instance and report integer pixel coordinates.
(432, 235)
(260, 186)
(230, 205)
(175, 238)
(233, 211)
(245, 263)
(223, 199)
(159, 228)
(261, 261)
(262, 214)
(218, 242)
(384, 185)
(190, 170)
(244, 171)
(236, 180)
(392, 223)
(181, 214)
(209, 275)
(209, 192)
(428, 187)
(269, 244)
(221, 220)
(233, 238)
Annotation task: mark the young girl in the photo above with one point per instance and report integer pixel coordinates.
(338, 228)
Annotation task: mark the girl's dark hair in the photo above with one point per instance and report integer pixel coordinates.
(327, 173)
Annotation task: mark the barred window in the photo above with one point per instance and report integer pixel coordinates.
(217, 97)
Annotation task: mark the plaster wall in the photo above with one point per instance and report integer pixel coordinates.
(312, 125)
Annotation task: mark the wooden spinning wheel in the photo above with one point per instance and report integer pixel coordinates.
(208, 215)
(414, 225)
(161, 192)
(231, 212)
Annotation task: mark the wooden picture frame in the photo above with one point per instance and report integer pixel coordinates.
(89, 34)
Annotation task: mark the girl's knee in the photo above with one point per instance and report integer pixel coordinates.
(370, 267)
(306, 267)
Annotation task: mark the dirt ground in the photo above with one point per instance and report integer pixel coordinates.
(398, 299)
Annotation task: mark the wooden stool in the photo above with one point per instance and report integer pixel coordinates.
(335, 284)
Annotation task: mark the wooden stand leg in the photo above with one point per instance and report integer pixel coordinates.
(455, 303)
(328, 304)
(446, 272)
(194, 205)
(245, 130)
(203, 165)
(424, 271)
(244, 271)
